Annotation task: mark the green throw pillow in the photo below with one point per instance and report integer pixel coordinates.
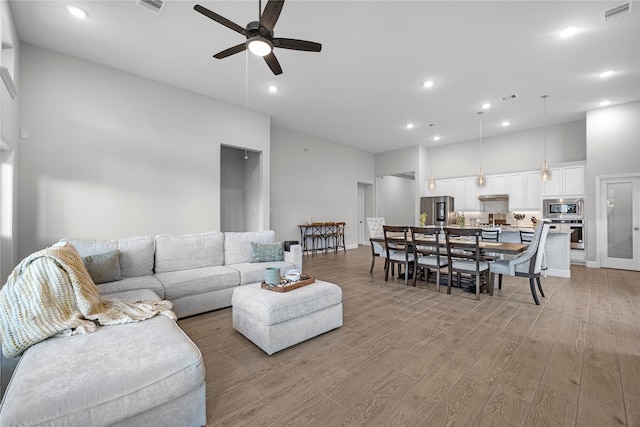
(265, 252)
(103, 267)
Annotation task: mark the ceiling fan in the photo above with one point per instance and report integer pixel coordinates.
(259, 34)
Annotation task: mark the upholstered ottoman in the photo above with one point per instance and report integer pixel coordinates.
(277, 320)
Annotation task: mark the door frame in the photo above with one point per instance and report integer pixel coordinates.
(601, 227)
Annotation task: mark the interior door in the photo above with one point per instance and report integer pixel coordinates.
(619, 241)
(360, 218)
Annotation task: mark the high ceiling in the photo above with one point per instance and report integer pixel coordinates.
(367, 83)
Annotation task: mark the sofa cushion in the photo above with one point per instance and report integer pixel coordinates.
(103, 267)
(103, 378)
(265, 252)
(237, 246)
(187, 251)
(251, 272)
(197, 280)
(132, 284)
(136, 253)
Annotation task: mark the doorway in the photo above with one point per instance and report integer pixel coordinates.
(618, 217)
(240, 204)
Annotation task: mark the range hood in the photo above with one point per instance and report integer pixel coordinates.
(493, 197)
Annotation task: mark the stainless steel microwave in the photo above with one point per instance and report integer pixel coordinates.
(563, 208)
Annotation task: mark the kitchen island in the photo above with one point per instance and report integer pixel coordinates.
(557, 249)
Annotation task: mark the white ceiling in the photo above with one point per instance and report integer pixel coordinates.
(366, 84)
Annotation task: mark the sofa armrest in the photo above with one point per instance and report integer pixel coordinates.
(294, 256)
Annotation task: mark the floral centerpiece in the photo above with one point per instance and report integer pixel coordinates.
(460, 219)
(423, 219)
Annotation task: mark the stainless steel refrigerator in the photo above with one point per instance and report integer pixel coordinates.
(439, 210)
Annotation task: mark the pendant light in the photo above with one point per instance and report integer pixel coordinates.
(545, 174)
(432, 182)
(480, 180)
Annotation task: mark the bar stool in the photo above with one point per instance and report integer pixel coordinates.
(330, 235)
(317, 235)
(340, 236)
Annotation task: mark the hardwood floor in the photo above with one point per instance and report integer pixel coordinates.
(412, 356)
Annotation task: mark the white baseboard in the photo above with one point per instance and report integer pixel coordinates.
(593, 264)
(556, 272)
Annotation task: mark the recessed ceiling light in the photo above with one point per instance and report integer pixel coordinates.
(436, 138)
(486, 105)
(429, 83)
(409, 126)
(505, 123)
(606, 74)
(273, 88)
(568, 32)
(77, 12)
(605, 103)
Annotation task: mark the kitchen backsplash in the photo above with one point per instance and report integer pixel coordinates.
(492, 206)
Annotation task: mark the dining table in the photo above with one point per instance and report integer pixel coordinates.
(508, 248)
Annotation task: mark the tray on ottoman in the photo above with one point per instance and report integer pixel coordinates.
(289, 286)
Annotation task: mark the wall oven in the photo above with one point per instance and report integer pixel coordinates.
(573, 226)
(566, 215)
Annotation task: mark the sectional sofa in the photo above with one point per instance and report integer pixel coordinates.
(147, 373)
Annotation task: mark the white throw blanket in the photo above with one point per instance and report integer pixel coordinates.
(51, 293)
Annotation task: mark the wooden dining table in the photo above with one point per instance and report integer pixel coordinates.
(494, 247)
(490, 247)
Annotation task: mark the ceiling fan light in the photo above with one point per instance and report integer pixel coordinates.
(259, 46)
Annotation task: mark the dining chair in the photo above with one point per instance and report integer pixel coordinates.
(375, 232)
(427, 255)
(529, 263)
(491, 235)
(526, 236)
(398, 250)
(464, 256)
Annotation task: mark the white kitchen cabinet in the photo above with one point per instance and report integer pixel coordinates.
(499, 184)
(460, 202)
(573, 180)
(524, 191)
(553, 185)
(494, 184)
(471, 202)
(445, 187)
(566, 180)
(516, 193)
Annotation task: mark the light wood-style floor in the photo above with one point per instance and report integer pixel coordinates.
(414, 357)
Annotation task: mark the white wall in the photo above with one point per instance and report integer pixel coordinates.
(313, 178)
(513, 152)
(111, 154)
(397, 201)
(613, 148)
(411, 159)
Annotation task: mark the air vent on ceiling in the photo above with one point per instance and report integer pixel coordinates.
(616, 12)
(156, 6)
(509, 97)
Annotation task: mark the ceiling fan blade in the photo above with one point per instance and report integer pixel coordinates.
(220, 19)
(271, 13)
(273, 63)
(297, 44)
(231, 51)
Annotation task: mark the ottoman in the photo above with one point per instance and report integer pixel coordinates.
(277, 320)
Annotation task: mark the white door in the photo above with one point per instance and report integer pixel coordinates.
(360, 218)
(619, 240)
